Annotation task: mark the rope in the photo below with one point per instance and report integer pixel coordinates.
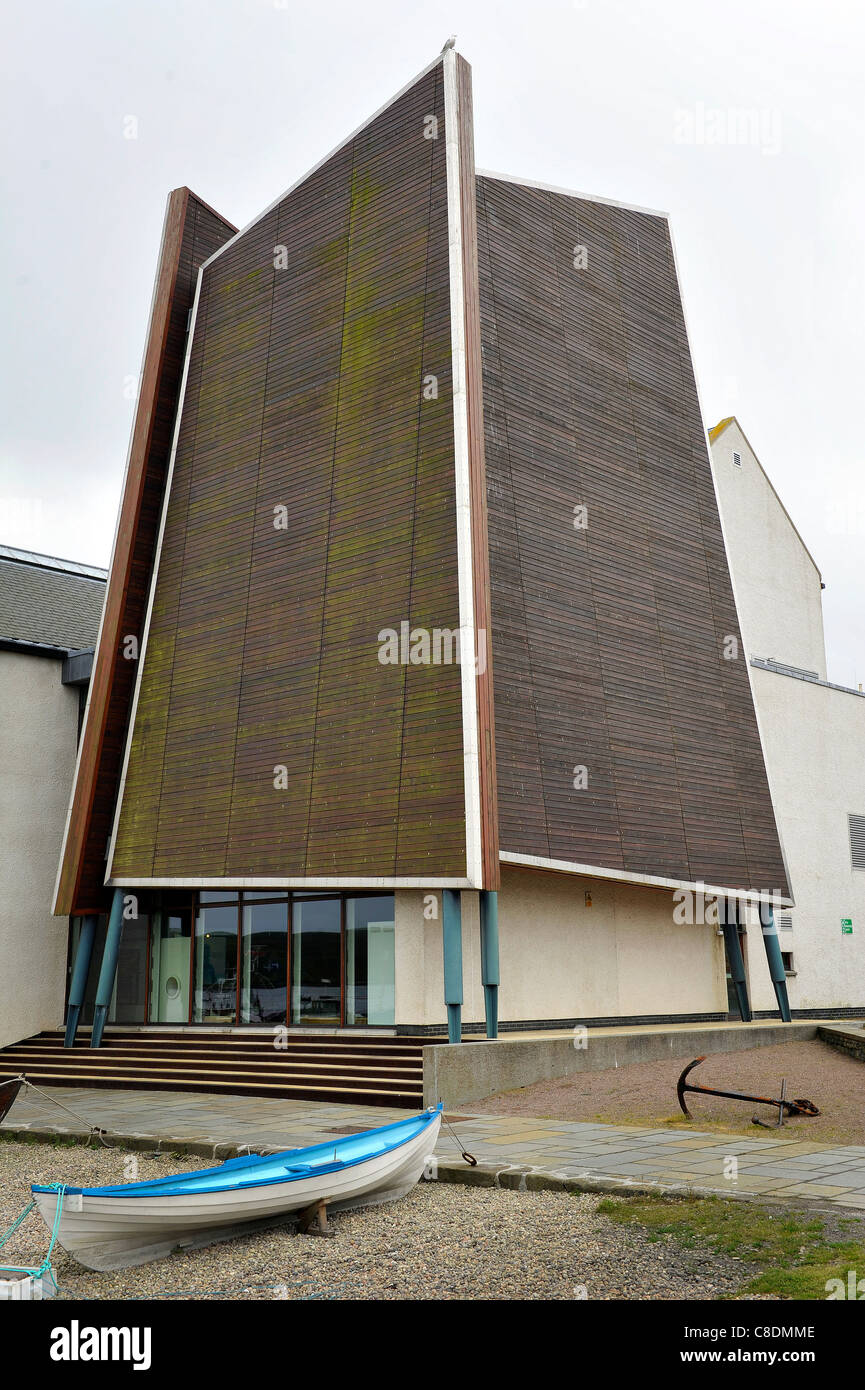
(469, 1158)
(93, 1130)
(15, 1224)
(37, 1272)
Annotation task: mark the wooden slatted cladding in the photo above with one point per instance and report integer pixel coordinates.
(315, 330)
(610, 638)
(192, 232)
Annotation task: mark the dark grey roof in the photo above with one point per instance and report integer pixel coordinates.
(48, 602)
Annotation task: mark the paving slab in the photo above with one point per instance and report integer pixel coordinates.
(510, 1148)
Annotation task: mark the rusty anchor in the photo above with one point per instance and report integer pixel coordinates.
(784, 1106)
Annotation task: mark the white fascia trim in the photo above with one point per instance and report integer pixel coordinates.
(462, 481)
(86, 718)
(336, 149)
(156, 559)
(569, 193)
(563, 866)
(321, 882)
(714, 476)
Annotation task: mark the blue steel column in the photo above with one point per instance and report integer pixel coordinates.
(737, 964)
(773, 956)
(105, 988)
(452, 945)
(489, 903)
(80, 971)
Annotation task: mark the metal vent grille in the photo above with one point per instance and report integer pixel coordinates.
(785, 921)
(737, 459)
(857, 841)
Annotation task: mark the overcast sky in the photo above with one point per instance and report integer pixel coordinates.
(621, 98)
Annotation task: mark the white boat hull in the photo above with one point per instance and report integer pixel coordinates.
(115, 1232)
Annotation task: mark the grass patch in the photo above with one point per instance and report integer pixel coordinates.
(795, 1254)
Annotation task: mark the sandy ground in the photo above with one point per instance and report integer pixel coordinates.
(443, 1241)
(645, 1093)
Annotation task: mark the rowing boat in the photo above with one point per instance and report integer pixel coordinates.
(114, 1227)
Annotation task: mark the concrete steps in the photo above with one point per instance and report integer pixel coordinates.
(367, 1071)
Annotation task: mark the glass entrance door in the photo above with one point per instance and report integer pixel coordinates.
(316, 961)
(264, 961)
(216, 965)
(170, 959)
(369, 960)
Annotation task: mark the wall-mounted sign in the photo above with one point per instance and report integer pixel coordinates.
(846, 926)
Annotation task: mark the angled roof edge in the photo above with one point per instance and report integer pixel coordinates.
(720, 427)
(91, 744)
(633, 876)
(570, 193)
(710, 459)
(324, 159)
(11, 554)
(715, 433)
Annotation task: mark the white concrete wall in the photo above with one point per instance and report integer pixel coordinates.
(38, 728)
(814, 738)
(776, 582)
(560, 958)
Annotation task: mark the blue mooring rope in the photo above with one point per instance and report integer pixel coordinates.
(45, 1267)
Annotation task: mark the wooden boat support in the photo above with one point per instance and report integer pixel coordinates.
(313, 1221)
(784, 1106)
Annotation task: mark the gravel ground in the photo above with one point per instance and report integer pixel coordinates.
(443, 1241)
(645, 1093)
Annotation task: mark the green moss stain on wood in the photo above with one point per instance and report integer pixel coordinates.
(305, 386)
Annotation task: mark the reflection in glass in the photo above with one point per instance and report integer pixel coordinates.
(369, 960)
(265, 963)
(130, 985)
(315, 961)
(216, 965)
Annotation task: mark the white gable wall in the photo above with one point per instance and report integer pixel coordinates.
(813, 738)
(777, 583)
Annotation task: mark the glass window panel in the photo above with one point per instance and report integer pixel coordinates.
(273, 895)
(216, 965)
(315, 961)
(369, 960)
(130, 985)
(264, 980)
(229, 895)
